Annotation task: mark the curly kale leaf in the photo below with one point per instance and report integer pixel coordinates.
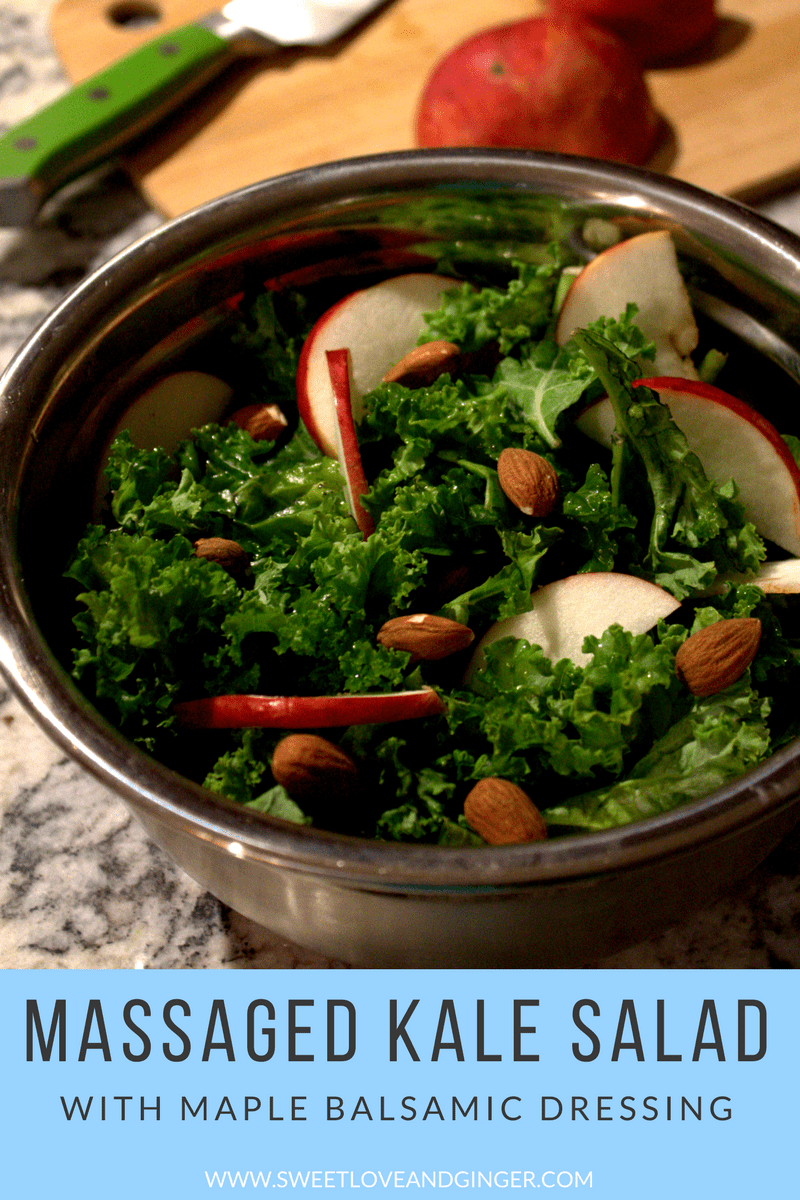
(268, 340)
(149, 626)
(698, 528)
(601, 527)
(526, 716)
(507, 591)
(546, 380)
(717, 741)
(471, 317)
(473, 418)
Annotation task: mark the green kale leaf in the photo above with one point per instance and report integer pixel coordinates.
(717, 741)
(698, 528)
(471, 317)
(546, 380)
(526, 716)
(601, 527)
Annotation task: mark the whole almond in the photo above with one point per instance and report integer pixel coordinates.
(427, 638)
(715, 657)
(503, 814)
(226, 554)
(425, 363)
(310, 767)
(264, 422)
(529, 481)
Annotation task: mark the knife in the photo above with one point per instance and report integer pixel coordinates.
(95, 119)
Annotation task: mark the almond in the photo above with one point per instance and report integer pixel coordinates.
(264, 422)
(310, 767)
(503, 814)
(422, 365)
(529, 481)
(226, 554)
(715, 657)
(426, 637)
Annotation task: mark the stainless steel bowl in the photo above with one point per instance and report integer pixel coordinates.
(149, 310)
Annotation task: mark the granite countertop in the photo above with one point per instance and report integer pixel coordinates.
(81, 886)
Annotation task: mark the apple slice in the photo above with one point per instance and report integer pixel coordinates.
(774, 578)
(644, 271)
(732, 441)
(347, 451)
(379, 324)
(777, 578)
(167, 412)
(568, 610)
(307, 712)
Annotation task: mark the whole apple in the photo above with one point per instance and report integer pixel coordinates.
(656, 30)
(544, 83)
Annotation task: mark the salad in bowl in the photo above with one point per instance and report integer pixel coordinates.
(461, 561)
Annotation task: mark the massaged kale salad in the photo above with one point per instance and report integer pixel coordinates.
(594, 746)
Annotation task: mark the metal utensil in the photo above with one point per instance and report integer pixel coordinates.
(96, 118)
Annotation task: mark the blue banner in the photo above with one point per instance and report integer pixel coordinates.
(612, 1084)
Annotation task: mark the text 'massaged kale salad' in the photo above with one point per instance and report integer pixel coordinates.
(522, 599)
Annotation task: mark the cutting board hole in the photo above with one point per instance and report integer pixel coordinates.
(134, 14)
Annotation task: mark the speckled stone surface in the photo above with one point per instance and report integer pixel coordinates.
(81, 886)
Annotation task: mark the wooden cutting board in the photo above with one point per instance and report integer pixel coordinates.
(735, 113)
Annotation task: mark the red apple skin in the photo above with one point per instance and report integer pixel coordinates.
(709, 392)
(351, 464)
(655, 30)
(769, 490)
(306, 712)
(319, 335)
(758, 422)
(554, 84)
(304, 406)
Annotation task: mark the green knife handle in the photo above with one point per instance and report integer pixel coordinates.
(92, 121)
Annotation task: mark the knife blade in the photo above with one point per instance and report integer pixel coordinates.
(97, 118)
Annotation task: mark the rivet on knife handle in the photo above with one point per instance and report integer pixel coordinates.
(92, 121)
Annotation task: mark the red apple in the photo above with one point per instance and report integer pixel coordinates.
(644, 271)
(379, 325)
(347, 451)
(307, 712)
(732, 441)
(656, 30)
(541, 84)
(566, 611)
